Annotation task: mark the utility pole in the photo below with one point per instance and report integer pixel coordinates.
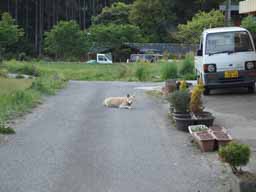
(228, 13)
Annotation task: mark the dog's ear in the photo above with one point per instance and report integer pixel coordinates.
(127, 95)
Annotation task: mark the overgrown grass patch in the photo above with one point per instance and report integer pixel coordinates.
(20, 95)
(10, 85)
(88, 72)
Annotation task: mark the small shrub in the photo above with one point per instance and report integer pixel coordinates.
(196, 103)
(236, 155)
(30, 70)
(169, 71)
(3, 72)
(20, 76)
(189, 76)
(180, 101)
(6, 130)
(48, 84)
(187, 66)
(142, 72)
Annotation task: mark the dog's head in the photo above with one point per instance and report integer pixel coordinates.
(130, 99)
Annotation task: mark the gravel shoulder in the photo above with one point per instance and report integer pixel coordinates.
(71, 143)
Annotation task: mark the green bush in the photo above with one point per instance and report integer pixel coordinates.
(187, 66)
(5, 130)
(189, 76)
(235, 155)
(142, 71)
(3, 72)
(169, 71)
(20, 76)
(249, 23)
(180, 101)
(49, 84)
(23, 68)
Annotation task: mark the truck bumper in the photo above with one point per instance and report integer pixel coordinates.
(217, 80)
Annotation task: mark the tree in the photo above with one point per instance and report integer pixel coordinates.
(113, 35)
(249, 23)
(153, 17)
(191, 32)
(66, 41)
(118, 13)
(10, 33)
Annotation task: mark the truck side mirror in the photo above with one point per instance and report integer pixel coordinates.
(199, 52)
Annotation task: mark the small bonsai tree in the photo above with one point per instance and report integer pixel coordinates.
(180, 101)
(196, 103)
(236, 155)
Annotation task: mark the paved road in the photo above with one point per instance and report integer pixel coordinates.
(71, 143)
(236, 110)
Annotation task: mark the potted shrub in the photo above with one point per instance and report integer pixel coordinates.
(238, 155)
(180, 102)
(205, 141)
(196, 107)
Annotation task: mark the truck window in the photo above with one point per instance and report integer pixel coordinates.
(228, 42)
(101, 58)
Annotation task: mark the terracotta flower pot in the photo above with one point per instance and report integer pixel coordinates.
(222, 138)
(205, 141)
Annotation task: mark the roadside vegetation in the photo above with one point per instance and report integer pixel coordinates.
(18, 96)
(142, 71)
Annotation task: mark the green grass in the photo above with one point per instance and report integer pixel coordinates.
(18, 96)
(8, 86)
(89, 72)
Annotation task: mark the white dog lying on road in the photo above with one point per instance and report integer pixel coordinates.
(120, 102)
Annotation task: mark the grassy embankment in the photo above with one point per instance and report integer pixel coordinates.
(20, 95)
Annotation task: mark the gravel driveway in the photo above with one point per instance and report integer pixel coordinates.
(71, 143)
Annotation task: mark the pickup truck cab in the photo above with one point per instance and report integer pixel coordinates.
(226, 58)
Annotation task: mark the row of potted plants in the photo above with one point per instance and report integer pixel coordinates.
(187, 107)
(187, 110)
(209, 139)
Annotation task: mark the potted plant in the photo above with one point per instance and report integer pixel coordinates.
(181, 115)
(197, 128)
(205, 141)
(180, 102)
(196, 107)
(238, 155)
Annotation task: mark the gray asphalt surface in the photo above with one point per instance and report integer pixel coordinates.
(235, 109)
(71, 143)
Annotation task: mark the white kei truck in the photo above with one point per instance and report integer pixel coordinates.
(226, 58)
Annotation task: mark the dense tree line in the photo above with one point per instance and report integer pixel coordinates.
(155, 18)
(37, 16)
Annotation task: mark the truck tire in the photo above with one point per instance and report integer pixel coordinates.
(251, 89)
